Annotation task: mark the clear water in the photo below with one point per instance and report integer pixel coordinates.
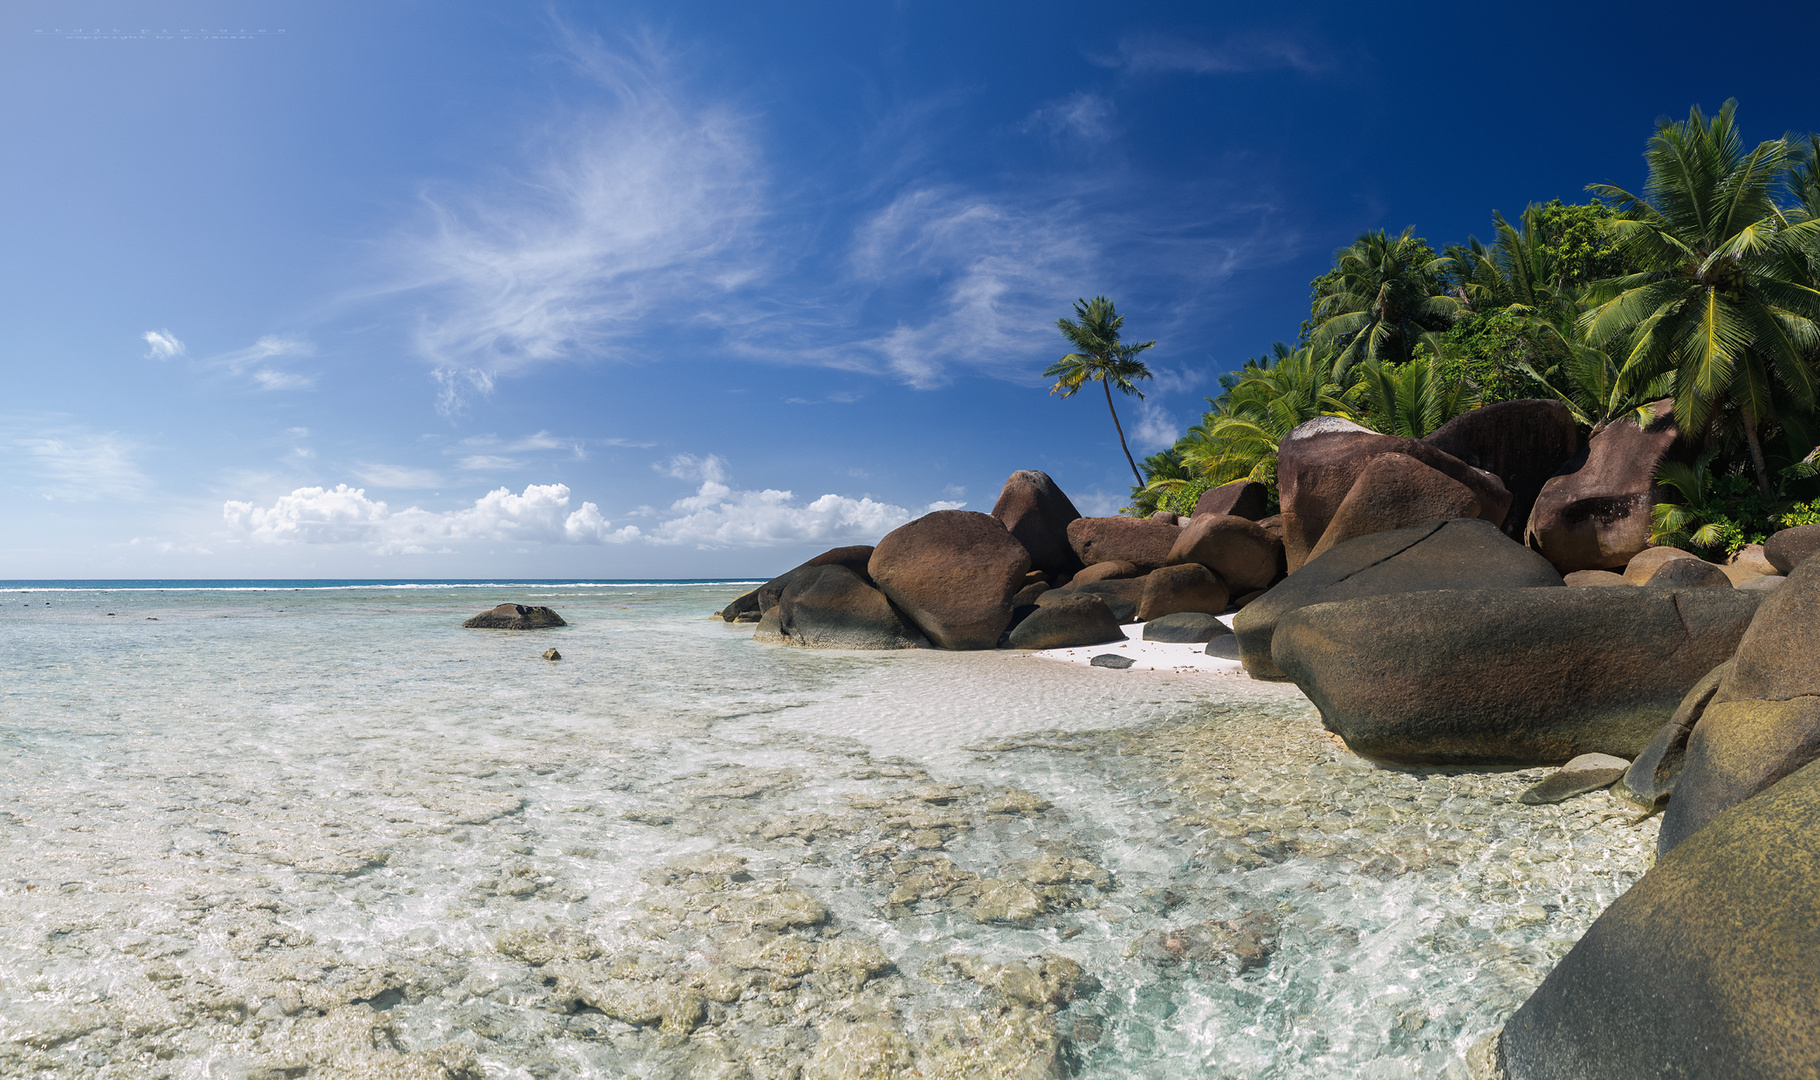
(322, 833)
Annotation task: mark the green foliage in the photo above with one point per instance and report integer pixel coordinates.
(1801, 513)
(1384, 293)
(1411, 399)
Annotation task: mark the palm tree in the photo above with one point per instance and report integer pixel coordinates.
(1102, 357)
(1381, 296)
(1271, 397)
(1414, 398)
(1724, 297)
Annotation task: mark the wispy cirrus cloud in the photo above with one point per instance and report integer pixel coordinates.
(82, 466)
(162, 345)
(645, 206)
(1152, 54)
(1087, 116)
(398, 476)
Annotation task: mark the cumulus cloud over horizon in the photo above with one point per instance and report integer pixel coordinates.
(716, 516)
(344, 515)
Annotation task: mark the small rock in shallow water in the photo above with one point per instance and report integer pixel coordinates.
(515, 617)
(551, 654)
(1112, 660)
(1588, 772)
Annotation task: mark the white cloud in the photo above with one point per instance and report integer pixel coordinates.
(345, 515)
(269, 379)
(1159, 53)
(1086, 116)
(84, 467)
(483, 462)
(643, 209)
(1155, 428)
(1007, 271)
(719, 516)
(398, 476)
(162, 345)
(710, 469)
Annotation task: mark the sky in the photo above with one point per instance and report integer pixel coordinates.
(393, 289)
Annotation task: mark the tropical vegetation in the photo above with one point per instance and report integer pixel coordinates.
(1102, 358)
(1702, 289)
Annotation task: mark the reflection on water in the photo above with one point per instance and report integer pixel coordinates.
(284, 834)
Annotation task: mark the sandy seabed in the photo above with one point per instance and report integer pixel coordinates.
(296, 836)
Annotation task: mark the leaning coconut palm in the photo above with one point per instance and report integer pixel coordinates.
(1381, 297)
(1591, 385)
(1724, 299)
(1102, 358)
(1272, 396)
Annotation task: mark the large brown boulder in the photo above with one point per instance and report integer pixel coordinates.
(1319, 461)
(1035, 511)
(1238, 550)
(1689, 574)
(1189, 587)
(1762, 721)
(1594, 513)
(1394, 491)
(764, 598)
(1791, 547)
(1106, 571)
(1143, 541)
(1241, 498)
(953, 572)
(1520, 442)
(1065, 623)
(1527, 676)
(831, 607)
(515, 617)
(1436, 555)
(1704, 968)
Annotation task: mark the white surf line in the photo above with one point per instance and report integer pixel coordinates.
(1150, 655)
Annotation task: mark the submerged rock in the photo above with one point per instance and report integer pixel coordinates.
(1042, 981)
(515, 617)
(551, 654)
(1588, 772)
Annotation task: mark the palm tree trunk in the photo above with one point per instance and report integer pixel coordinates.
(1106, 386)
(1756, 455)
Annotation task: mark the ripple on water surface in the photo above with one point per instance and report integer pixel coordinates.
(292, 834)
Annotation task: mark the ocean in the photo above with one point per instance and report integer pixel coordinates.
(252, 830)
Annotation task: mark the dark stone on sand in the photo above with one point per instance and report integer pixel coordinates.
(1185, 627)
(515, 617)
(1112, 660)
(1438, 555)
(1225, 646)
(1066, 622)
(1526, 676)
(1704, 968)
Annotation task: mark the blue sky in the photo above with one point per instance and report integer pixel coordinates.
(449, 289)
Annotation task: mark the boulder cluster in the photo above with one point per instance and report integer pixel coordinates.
(1032, 574)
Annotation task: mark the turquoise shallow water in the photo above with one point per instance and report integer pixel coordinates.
(239, 824)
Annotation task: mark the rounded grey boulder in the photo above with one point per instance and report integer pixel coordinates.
(1185, 627)
(1065, 623)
